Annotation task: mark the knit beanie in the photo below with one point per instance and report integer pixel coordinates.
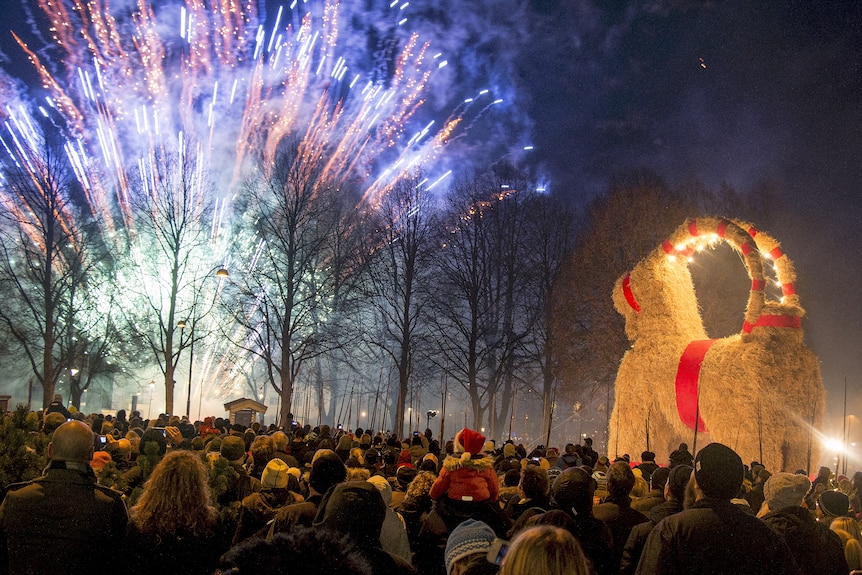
(509, 450)
(382, 486)
(718, 471)
(100, 459)
(232, 448)
(470, 537)
(573, 492)
(326, 471)
(833, 503)
(678, 479)
(354, 508)
(274, 476)
(785, 490)
(433, 458)
(469, 441)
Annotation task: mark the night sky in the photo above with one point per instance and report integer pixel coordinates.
(733, 92)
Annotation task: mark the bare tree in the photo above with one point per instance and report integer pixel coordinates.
(46, 253)
(550, 236)
(170, 261)
(401, 263)
(479, 298)
(294, 299)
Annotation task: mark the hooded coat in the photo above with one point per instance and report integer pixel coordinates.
(816, 548)
(467, 478)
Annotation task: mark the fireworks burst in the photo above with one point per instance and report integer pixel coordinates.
(215, 83)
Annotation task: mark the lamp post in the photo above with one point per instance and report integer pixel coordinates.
(150, 408)
(182, 325)
(428, 415)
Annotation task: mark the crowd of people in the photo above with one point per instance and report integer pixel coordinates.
(171, 496)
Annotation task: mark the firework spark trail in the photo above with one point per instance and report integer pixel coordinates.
(132, 86)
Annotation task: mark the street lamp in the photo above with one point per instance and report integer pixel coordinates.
(428, 415)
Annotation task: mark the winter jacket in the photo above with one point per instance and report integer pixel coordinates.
(617, 514)
(259, 508)
(647, 502)
(147, 553)
(816, 548)
(634, 546)
(469, 478)
(714, 536)
(54, 523)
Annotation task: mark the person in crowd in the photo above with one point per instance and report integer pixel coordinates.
(262, 451)
(403, 477)
(57, 406)
(417, 449)
(327, 470)
(573, 493)
(509, 486)
(698, 540)
(173, 528)
(856, 495)
(641, 486)
(755, 496)
(467, 548)
(508, 459)
(416, 503)
(345, 444)
(356, 509)
(393, 534)
(569, 458)
(852, 548)
(307, 551)
(816, 549)
(51, 422)
(616, 511)
(832, 504)
(655, 496)
(588, 454)
(681, 456)
(53, 523)
(674, 494)
(233, 450)
(647, 464)
(545, 550)
(467, 485)
(821, 483)
(533, 491)
(279, 488)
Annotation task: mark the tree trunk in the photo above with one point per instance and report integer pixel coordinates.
(169, 388)
(284, 415)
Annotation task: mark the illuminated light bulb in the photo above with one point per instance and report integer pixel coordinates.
(767, 255)
(680, 247)
(690, 259)
(778, 283)
(671, 257)
(782, 299)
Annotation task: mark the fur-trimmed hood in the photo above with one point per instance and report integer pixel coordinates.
(478, 462)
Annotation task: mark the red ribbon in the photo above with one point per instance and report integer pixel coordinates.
(776, 253)
(692, 228)
(627, 292)
(790, 321)
(688, 382)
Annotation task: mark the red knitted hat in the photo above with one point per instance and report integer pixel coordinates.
(469, 441)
